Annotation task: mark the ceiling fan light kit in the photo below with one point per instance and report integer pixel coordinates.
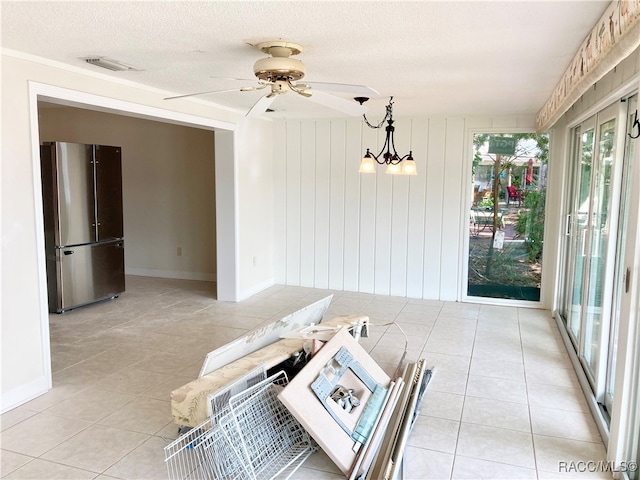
(388, 155)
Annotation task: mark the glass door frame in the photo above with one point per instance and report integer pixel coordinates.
(465, 209)
(572, 222)
(625, 420)
(617, 111)
(620, 274)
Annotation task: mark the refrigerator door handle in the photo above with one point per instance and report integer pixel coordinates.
(69, 252)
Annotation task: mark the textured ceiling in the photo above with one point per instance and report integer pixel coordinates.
(434, 57)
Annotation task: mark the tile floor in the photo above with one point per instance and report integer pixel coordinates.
(503, 403)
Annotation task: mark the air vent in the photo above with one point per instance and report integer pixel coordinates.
(109, 64)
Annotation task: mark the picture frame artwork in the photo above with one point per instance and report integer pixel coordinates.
(349, 394)
(314, 399)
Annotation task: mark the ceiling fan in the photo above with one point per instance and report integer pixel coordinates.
(279, 74)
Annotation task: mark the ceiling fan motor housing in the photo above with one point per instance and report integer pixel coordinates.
(274, 68)
(279, 66)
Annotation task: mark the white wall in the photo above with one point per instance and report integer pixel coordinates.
(23, 323)
(383, 234)
(251, 267)
(255, 173)
(167, 169)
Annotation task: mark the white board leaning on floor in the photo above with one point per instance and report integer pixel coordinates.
(263, 336)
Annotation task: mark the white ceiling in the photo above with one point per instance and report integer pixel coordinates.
(434, 57)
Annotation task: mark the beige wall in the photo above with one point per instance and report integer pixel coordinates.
(168, 187)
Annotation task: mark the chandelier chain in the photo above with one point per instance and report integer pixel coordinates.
(387, 115)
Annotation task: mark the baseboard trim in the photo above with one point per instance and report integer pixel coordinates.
(176, 274)
(257, 288)
(18, 396)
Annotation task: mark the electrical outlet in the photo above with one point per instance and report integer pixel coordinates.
(255, 261)
(179, 251)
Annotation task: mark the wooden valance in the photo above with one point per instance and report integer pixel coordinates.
(614, 37)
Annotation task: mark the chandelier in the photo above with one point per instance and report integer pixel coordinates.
(388, 155)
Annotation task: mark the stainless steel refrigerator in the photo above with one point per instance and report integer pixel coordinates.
(82, 201)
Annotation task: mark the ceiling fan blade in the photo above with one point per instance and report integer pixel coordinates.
(261, 105)
(202, 93)
(350, 107)
(359, 90)
(233, 78)
(252, 88)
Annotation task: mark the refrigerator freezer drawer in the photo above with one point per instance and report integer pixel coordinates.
(89, 273)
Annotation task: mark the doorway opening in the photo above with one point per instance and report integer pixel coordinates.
(227, 288)
(506, 215)
(168, 187)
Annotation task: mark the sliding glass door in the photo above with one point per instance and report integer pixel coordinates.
(592, 229)
(600, 250)
(577, 222)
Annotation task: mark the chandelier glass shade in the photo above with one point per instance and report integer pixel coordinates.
(396, 165)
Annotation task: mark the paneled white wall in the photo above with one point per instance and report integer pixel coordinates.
(375, 233)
